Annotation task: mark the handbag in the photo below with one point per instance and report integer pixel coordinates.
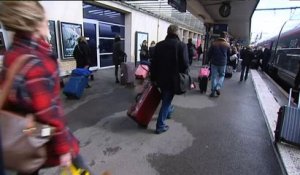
(182, 83)
(233, 57)
(23, 139)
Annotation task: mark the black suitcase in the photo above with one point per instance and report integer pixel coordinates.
(288, 124)
(203, 83)
(228, 72)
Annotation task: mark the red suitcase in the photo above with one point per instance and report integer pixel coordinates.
(145, 106)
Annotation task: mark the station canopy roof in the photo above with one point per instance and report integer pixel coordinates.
(163, 10)
(200, 12)
(238, 20)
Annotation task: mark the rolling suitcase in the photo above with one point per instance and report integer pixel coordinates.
(142, 71)
(203, 78)
(288, 124)
(75, 86)
(146, 103)
(127, 73)
(228, 71)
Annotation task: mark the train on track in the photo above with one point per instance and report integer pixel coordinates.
(284, 62)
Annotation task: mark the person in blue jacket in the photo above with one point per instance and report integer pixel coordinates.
(218, 54)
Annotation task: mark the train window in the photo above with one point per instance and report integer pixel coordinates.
(294, 59)
(293, 43)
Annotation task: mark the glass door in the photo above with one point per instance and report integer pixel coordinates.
(90, 28)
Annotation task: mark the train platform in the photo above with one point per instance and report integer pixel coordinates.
(225, 135)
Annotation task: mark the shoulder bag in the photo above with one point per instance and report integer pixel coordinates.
(182, 80)
(23, 139)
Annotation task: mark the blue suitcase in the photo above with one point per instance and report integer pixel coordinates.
(75, 86)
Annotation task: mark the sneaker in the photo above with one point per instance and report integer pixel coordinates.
(218, 92)
(170, 112)
(117, 81)
(164, 129)
(212, 95)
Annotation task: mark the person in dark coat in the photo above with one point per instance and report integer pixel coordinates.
(199, 51)
(144, 52)
(218, 54)
(151, 50)
(119, 55)
(82, 53)
(191, 50)
(163, 69)
(266, 58)
(247, 56)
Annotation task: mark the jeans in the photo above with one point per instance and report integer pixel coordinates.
(166, 97)
(243, 72)
(217, 77)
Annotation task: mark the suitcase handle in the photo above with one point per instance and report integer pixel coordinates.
(290, 96)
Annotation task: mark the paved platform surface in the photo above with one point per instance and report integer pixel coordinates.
(213, 136)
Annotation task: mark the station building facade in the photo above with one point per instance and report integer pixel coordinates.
(100, 22)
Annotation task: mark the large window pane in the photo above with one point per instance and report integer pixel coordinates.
(106, 60)
(106, 45)
(108, 30)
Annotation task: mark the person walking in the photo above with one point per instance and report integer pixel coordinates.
(199, 51)
(36, 88)
(151, 50)
(144, 53)
(218, 54)
(247, 56)
(119, 56)
(191, 50)
(170, 55)
(82, 53)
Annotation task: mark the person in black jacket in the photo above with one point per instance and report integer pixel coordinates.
(191, 50)
(247, 56)
(151, 50)
(144, 52)
(82, 53)
(163, 69)
(119, 55)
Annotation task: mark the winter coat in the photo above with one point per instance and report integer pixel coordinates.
(118, 54)
(247, 56)
(163, 66)
(82, 55)
(36, 90)
(144, 54)
(219, 52)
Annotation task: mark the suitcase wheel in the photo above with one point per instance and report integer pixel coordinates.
(138, 97)
(143, 126)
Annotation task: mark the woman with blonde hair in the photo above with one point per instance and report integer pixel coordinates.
(82, 53)
(36, 88)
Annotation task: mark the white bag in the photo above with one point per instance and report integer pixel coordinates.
(233, 57)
